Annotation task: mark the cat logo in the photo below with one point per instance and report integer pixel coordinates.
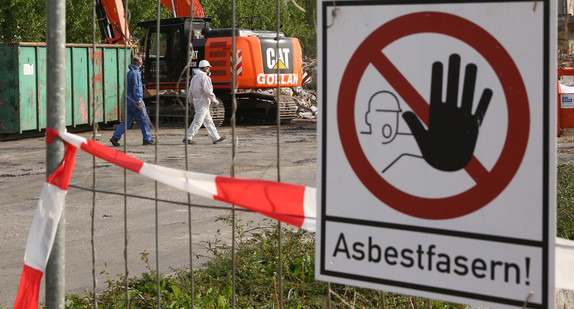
(195, 56)
(277, 58)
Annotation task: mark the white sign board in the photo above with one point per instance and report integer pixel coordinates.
(567, 100)
(437, 139)
(28, 69)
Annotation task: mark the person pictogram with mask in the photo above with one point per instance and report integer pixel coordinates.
(447, 143)
(382, 119)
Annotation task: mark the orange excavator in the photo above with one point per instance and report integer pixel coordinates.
(260, 55)
(113, 24)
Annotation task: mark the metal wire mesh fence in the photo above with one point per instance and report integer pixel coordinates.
(97, 189)
(167, 237)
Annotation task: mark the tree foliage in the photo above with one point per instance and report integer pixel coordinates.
(143, 10)
(22, 20)
(79, 19)
(293, 21)
(25, 20)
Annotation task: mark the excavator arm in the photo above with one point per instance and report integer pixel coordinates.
(180, 8)
(112, 21)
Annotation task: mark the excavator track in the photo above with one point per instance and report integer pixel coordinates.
(261, 108)
(252, 108)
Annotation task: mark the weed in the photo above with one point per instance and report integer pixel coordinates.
(565, 201)
(256, 254)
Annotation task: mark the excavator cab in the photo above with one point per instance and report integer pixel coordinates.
(171, 51)
(260, 56)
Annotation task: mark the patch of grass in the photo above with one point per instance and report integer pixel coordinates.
(565, 201)
(257, 279)
(257, 260)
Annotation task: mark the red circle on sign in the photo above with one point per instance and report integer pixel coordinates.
(488, 184)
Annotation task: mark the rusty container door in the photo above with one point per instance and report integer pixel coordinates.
(9, 111)
(89, 92)
(27, 81)
(111, 89)
(22, 86)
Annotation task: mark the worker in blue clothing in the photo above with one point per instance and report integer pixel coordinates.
(135, 105)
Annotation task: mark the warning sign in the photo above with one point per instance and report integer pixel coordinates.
(436, 149)
(448, 141)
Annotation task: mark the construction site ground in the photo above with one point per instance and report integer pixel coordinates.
(23, 172)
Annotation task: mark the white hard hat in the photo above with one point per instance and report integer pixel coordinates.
(204, 63)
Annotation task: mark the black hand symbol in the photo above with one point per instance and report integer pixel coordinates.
(448, 144)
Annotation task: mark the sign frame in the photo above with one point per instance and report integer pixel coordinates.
(545, 245)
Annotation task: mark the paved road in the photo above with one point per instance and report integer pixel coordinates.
(22, 174)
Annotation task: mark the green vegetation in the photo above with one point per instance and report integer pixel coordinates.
(257, 257)
(294, 21)
(565, 201)
(257, 278)
(25, 20)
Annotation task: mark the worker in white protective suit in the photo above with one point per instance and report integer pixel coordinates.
(201, 92)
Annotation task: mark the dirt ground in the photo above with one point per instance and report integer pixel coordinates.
(22, 174)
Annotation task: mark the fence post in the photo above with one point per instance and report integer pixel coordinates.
(56, 119)
(278, 117)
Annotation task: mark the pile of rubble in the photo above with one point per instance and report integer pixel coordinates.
(565, 60)
(306, 94)
(306, 104)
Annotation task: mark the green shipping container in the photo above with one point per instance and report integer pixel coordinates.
(88, 93)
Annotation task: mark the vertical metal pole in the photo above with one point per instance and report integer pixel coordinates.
(94, 130)
(278, 99)
(56, 119)
(233, 82)
(187, 83)
(383, 300)
(278, 117)
(566, 35)
(175, 10)
(328, 295)
(158, 281)
(127, 62)
(234, 106)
